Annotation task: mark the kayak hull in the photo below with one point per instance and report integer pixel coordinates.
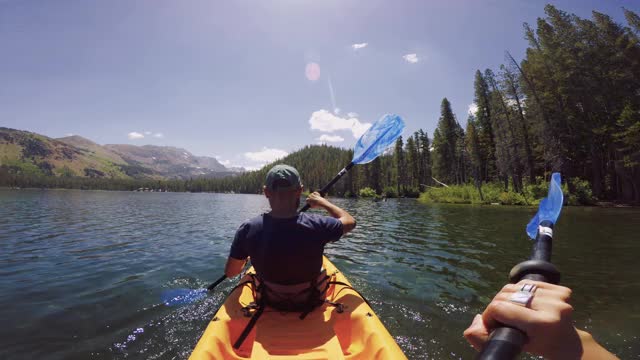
(325, 333)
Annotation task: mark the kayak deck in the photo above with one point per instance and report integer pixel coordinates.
(325, 333)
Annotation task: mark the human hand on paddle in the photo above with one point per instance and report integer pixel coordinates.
(546, 319)
(534, 315)
(315, 200)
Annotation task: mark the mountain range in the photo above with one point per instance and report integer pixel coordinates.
(30, 153)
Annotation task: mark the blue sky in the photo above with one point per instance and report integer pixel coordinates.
(229, 78)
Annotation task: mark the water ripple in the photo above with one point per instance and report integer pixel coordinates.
(81, 272)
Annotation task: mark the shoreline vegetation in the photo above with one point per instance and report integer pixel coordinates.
(464, 194)
(467, 194)
(495, 194)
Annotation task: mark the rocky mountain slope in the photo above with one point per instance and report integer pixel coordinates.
(34, 154)
(169, 161)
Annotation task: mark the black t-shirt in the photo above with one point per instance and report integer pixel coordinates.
(286, 251)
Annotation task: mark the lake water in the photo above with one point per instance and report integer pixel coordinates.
(81, 272)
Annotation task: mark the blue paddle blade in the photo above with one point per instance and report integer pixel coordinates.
(178, 297)
(377, 139)
(549, 208)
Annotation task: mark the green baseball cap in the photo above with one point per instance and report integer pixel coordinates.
(283, 178)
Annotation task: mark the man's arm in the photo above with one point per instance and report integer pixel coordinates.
(238, 255)
(315, 200)
(233, 267)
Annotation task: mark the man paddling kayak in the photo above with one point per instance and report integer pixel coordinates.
(286, 247)
(543, 312)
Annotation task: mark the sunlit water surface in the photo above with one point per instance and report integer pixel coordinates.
(81, 272)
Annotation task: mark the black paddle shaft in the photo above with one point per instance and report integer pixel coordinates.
(212, 286)
(506, 342)
(326, 188)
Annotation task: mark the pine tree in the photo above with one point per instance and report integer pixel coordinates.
(401, 166)
(446, 157)
(425, 158)
(513, 91)
(375, 174)
(412, 162)
(507, 141)
(484, 127)
(472, 143)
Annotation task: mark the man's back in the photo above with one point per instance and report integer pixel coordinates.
(286, 250)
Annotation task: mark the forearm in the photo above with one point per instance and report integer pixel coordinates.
(581, 345)
(234, 267)
(591, 349)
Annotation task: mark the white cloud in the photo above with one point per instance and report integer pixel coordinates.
(69, 134)
(266, 155)
(359, 46)
(134, 135)
(352, 115)
(324, 138)
(359, 128)
(336, 111)
(411, 58)
(473, 109)
(147, 132)
(158, 135)
(323, 120)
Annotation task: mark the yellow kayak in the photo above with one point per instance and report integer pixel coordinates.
(349, 331)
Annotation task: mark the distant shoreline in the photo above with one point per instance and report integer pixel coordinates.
(597, 204)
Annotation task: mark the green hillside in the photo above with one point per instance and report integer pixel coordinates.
(29, 154)
(317, 164)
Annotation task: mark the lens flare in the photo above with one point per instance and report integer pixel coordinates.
(312, 71)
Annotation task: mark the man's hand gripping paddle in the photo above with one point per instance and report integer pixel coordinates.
(506, 342)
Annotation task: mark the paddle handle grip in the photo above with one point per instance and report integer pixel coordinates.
(326, 188)
(506, 342)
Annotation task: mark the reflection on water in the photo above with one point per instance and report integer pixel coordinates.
(81, 272)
